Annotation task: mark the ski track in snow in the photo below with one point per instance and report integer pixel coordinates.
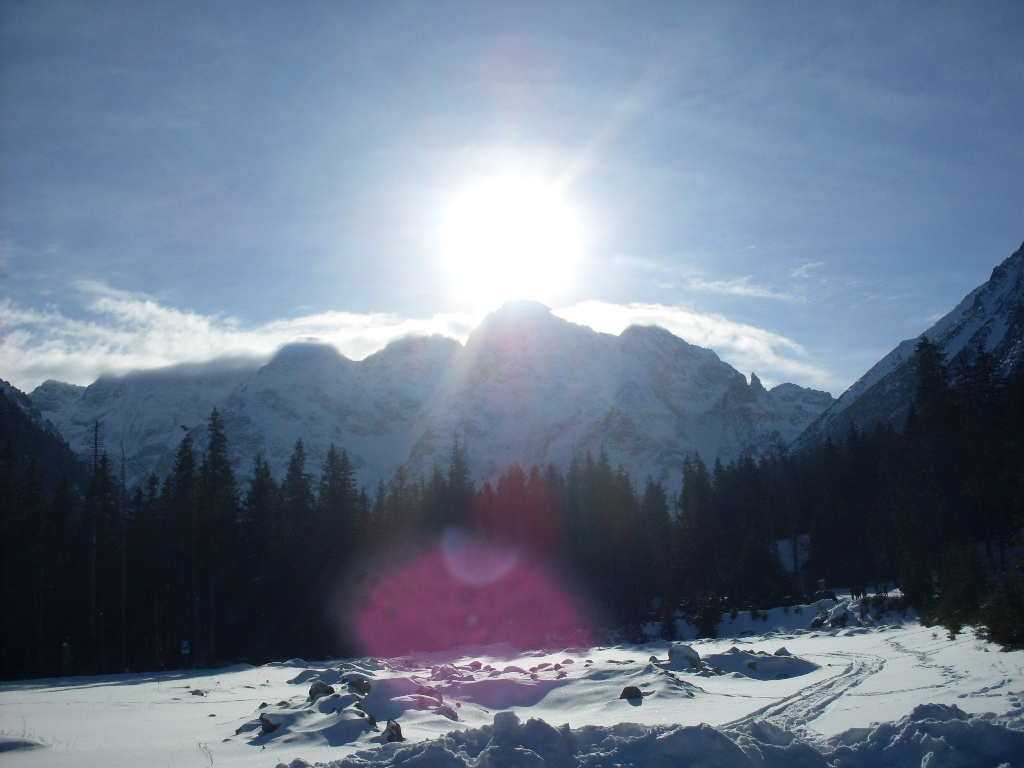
(796, 711)
(925, 660)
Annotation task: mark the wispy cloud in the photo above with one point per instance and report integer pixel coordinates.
(806, 269)
(119, 332)
(741, 286)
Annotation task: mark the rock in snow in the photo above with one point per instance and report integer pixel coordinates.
(681, 655)
(320, 688)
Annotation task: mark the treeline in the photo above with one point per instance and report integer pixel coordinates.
(202, 568)
(196, 569)
(936, 507)
(104, 580)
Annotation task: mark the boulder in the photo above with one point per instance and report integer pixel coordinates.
(269, 725)
(631, 692)
(359, 685)
(320, 688)
(393, 732)
(680, 654)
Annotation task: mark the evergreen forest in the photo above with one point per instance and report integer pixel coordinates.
(99, 578)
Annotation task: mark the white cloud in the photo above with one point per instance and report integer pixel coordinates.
(123, 332)
(805, 270)
(738, 287)
(120, 332)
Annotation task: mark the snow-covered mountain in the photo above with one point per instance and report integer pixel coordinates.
(526, 387)
(989, 317)
(33, 440)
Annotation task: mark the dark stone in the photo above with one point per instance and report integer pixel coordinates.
(631, 692)
(394, 731)
(840, 620)
(360, 686)
(320, 688)
(268, 725)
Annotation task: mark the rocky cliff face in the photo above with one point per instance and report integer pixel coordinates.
(527, 387)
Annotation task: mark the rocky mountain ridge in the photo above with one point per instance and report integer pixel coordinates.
(527, 387)
(991, 317)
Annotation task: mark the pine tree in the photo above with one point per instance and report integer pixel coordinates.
(264, 560)
(103, 521)
(219, 552)
(460, 487)
(218, 486)
(180, 500)
(297, 493)
(338, 495)
(303, 550)
(932, 391)
(656, 543)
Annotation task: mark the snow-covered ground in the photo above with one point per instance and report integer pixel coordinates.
(767, 693)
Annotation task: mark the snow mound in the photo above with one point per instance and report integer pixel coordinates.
(932, 735)
(760, 665)
(334, 720)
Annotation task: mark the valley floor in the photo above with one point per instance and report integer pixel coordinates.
(767, 693)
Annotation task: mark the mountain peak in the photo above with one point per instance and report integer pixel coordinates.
(306, 352)
(516, 325)
(518, 314)
(522, 308)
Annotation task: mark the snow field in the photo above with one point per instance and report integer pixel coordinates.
(877, 694)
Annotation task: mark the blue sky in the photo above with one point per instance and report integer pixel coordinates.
(798, 186)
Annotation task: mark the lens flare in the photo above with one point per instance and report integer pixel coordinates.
(472, 563)
(463, 592)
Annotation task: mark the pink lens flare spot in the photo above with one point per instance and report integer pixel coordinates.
(472, 562)
(464, 592)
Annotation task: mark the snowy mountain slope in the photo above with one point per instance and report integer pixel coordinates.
(527, 387)
(140, 414)
(23, 403)
(313, 393)
(989, 317)
(34, 441)
(534, 388)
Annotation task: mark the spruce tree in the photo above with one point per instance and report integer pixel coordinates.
(180, 500)
(218, 541)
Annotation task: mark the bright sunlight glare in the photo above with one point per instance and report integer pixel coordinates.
(510, 238)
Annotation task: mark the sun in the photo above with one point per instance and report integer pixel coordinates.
(508, 238)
